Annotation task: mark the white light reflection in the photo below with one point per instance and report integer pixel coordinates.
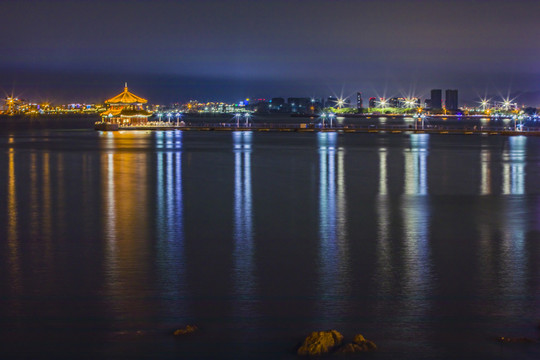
(416, 165)
(416, 219)
(384, 265)
(244, 279)
(332, 225)
(514, 166)
(514, 222)
(170, 222)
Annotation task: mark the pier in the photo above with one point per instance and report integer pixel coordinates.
(361, 129)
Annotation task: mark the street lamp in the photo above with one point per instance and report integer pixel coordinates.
(331, 116)
(323, 116)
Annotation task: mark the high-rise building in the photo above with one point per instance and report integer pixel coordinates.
(359, 100)
(436, 99)
(451, 100)
(372, 102)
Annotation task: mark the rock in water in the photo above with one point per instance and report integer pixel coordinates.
(187, 330)
(359, 344)
(320, 342)
(365, 344)
(350, 348)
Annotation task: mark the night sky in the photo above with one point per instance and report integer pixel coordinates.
(228, 50)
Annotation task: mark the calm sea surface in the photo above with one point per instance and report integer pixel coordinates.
(429, 245)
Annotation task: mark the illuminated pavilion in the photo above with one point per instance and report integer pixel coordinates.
(125, 109)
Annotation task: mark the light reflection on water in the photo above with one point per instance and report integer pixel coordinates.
(12, 236)
(514, 166)
(124, 178)
(170, 220)
(376, 212)
(244, 277)
(384, 254)
(513, 227)
(333, 249)
(485, 181)
(416, 219)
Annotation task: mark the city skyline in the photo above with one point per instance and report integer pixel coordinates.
(228, 50)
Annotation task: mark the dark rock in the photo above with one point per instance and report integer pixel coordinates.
(366, 344)
(320, 342)
(189, 329)
(349, 348)
(359, 344)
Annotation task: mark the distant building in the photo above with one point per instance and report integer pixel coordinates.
(436, 99)
(299, 105)
(125, 109)
(372, 102)
(277, 104)
(359, 104)
(451, 100)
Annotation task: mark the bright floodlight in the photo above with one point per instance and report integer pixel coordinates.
(340, 102)
(383, 103)
(409, 102)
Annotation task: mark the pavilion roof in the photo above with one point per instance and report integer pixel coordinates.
(126, 98)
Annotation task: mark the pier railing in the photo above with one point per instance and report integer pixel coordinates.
(375, 128)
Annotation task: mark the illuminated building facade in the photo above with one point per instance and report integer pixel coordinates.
(125, 109)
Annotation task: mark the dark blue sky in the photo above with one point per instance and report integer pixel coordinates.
(230, 49)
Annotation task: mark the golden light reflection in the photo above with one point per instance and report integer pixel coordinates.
(125, 218)
(60, 186)
(34, 201)
(46, 209)
(12, 236)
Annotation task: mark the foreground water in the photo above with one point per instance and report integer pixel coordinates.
(429, 245)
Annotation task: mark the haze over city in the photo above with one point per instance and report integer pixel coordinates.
(227, 50)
